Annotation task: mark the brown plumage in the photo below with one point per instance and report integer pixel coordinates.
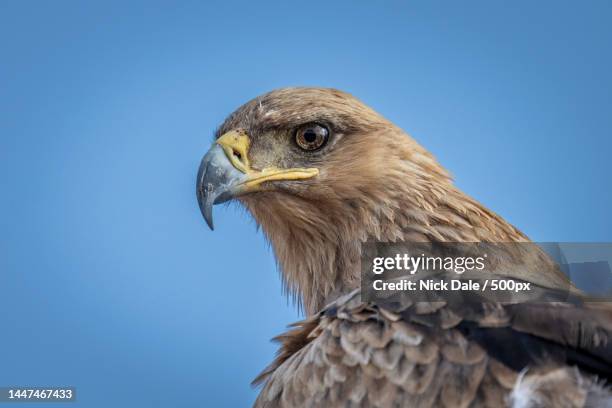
(371, 181)
(356, 354)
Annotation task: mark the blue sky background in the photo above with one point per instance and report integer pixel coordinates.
(110, 280)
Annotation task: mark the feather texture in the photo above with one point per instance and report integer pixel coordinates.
(354, 354)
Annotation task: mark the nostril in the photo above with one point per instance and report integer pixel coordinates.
(237, 154)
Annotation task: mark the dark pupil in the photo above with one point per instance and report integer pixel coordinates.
(310, 136)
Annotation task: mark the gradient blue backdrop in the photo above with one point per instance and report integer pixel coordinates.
(110, 280)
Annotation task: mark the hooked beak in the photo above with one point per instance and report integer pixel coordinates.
(225, 173)
(217, 182)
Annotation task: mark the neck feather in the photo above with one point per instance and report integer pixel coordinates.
(317, 245)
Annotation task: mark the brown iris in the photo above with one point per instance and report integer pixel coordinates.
(311, 137)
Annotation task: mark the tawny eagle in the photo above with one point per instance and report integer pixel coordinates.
(322, 174)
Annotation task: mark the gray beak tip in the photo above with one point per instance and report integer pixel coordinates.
(206, 207)
(209, 217)
(216, 182)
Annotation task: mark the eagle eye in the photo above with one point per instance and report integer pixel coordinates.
(311, 137)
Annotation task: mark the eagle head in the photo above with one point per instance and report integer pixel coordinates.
(315, 149)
